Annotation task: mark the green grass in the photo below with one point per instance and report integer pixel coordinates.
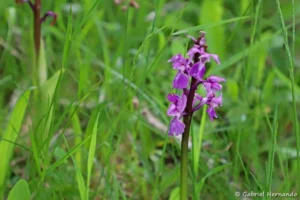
(89, 121)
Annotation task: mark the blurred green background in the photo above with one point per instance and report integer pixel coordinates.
(98, 119)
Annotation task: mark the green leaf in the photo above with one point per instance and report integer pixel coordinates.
(42, 65)
(232, 89)
(46, 108)
(91, 155)
(48, 88)
(20, 191)
(10, 136)
(175, 194)
(80, 182)
(197, 142)
(268, 88)
(244, 4)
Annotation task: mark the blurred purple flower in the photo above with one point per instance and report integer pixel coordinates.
(176, 127)
(212, 83)
(176, 109)
(177, 105)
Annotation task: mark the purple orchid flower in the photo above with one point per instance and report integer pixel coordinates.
(179, 62)
(177, 105)
(212, 101)
(190, 74)
(176, 127)
(212, 83)
(181, 81)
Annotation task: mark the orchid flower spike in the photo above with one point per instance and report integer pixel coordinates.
(193, 68)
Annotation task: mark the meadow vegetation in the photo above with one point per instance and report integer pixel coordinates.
(88, 120)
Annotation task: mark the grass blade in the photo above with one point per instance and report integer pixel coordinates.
(91, 155)
(210, 25)
(197, 142)
(11, 134)
(292, 79)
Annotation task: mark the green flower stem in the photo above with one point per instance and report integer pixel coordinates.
(185, 142)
